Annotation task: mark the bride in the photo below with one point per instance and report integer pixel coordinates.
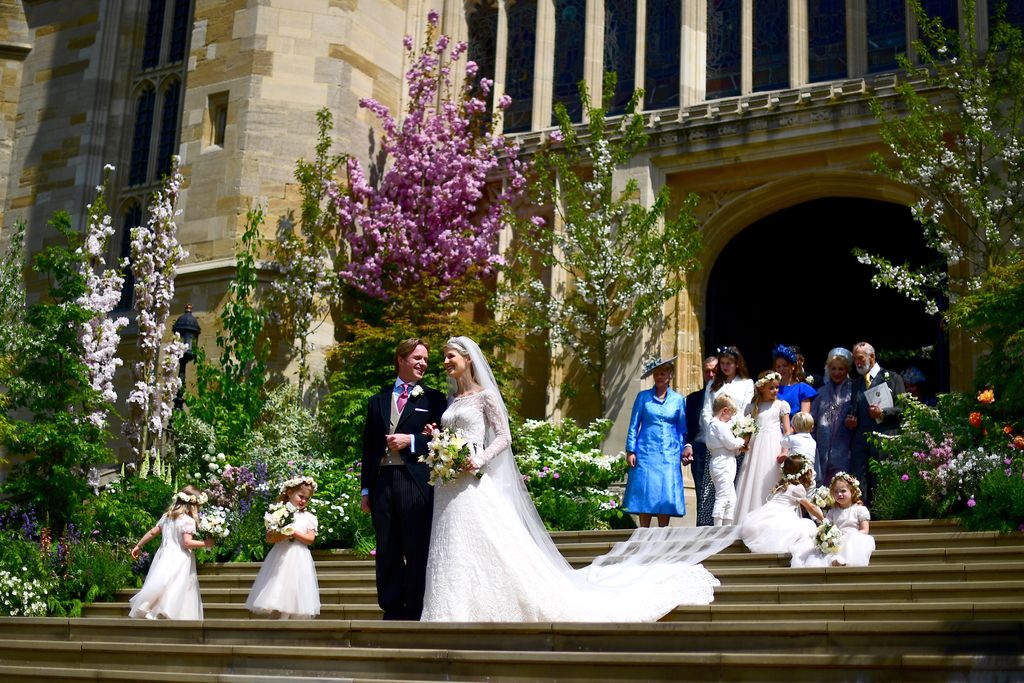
(491, 559)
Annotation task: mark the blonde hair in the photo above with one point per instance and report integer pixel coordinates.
(803, 422)
(724, 401)
(286, 491)
(851, 481)
(187, 504)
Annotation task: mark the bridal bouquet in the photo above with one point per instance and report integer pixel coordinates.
(214, 522)
(821, 497)
(744, 426)
(447, 455)
(280, 518)
(828, 538)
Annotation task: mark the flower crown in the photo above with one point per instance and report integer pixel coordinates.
(785, 352)
(192, 498)
(769, 377)
(795, 477)
(851, 480)
(298, 481)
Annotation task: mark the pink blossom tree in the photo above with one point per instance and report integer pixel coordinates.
(155, 255)
(431, 222)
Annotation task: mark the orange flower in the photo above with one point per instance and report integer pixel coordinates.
(1007, 429)
(987, 396)
(975, 419)
(1018, 443)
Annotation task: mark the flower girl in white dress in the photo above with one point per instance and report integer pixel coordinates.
(491, 559)
(286, 586)
(761, 466)
(777, 526)
(171, 590)
(852, 518)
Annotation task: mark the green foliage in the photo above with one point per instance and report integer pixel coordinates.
(124, 510)
(92, 571)
(287, 438)
(621, 260)
(57, 444)
(568, 476)
(961, 459)
(230, 395)
(342, 524)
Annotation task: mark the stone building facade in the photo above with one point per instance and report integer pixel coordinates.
(759, 107)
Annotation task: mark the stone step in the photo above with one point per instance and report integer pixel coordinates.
(240, 573)
(804, 635)
(504, 665)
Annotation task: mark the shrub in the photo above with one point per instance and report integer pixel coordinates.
(287, 438)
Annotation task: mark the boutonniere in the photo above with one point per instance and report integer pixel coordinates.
(885, 375)
(417, 391)
(809, 379)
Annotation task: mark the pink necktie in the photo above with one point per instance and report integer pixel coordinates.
(403, 398)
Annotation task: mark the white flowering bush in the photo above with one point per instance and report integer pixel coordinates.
(568, 476)
(22, 597)
(287, 438)
(342, 524)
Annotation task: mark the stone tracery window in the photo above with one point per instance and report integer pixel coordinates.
(887, 35)
(662, 46)
(570, 38)
(519, 68)
(771, 45)
(620, 50)
(826, 38)
(724, 68)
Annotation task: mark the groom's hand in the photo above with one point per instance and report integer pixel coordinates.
(399, 442)
(364, 504)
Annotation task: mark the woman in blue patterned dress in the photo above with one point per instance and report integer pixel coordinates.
(655, 446)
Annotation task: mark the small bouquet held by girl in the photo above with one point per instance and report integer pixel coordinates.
(280, 518)
(213, 522)
(744, 426)
(449, 454)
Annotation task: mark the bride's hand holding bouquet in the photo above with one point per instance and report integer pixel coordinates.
(449, 454)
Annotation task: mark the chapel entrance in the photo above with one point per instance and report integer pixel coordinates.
(791, 278)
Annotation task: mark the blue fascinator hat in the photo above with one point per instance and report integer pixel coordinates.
(783, 351)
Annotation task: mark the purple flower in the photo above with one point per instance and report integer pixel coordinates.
(555, 475)
(556, 136)
(971, 502)
(905, 477)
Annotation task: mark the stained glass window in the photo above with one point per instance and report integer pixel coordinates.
(570, 35)
(482, 19)
(723, 60)
(154, 34)
(522, 39)
(661, 64)
(132, 219)
(826, 38)
(168, 129)
(1014, 13)
(179, 30)
(771, 45)
(138, 169)
(887, 35)
(620, 50)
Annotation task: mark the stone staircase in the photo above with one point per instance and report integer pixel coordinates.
(937, 603)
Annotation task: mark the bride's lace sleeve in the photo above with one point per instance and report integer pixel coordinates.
(497, 425)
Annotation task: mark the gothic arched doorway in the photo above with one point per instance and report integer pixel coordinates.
(791, 278)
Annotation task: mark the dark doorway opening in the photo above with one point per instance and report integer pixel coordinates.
(792, 278)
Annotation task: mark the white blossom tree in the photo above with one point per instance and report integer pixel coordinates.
(958, 139)
(155, 255)
(100, 335)
(622, 260)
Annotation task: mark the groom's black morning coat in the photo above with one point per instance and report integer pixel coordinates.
(419, 412)
(401, 500)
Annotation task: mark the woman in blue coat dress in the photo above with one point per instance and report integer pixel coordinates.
(655, 445)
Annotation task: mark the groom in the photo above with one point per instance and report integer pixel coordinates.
(395, 489)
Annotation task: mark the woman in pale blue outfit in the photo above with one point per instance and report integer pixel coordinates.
(829, 409)
(655, 446)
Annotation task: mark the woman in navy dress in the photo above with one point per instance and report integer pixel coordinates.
(655, 446)
(792, 389)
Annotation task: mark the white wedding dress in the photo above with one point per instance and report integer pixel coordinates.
(491, 559)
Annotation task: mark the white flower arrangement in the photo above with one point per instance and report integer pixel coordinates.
(822, 497)
(744, 426)
(191, 498)
(280, 518)
(828, 538)
(298, 481)
(447, 455)
(214, 522)
(416, 392)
